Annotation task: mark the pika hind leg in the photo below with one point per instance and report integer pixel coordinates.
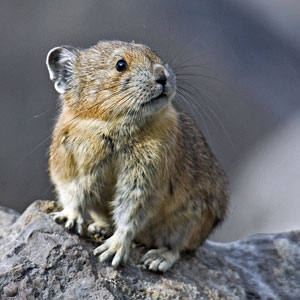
(101, 225)
(170, 237)
(160, 259)
(185, 230)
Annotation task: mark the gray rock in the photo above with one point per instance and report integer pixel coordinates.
(39, 259)
(7, 218)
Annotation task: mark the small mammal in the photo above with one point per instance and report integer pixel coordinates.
(122, 153)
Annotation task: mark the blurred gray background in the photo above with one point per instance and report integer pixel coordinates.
(242, 57)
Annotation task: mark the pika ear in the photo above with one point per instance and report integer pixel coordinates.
(60, 63)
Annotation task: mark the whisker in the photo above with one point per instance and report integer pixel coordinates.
(183, 97)
(34, 149)
(181, 75)
(121, 101)
(191, 59)
(213, 113)
(172, 60)
(195, 103)
(38, 116)
(201, 91)
(71, 121)
(180, 67)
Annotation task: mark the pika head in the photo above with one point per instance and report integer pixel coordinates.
(112, 80)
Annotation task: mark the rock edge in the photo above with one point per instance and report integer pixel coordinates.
(39, 259)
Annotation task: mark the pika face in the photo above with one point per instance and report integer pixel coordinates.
(112, 80)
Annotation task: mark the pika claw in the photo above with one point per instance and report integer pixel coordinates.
(105, 256)
(72, 222)
(114, 249)
(69, 224)
(57, 217)
(100, 249)
(79, 228)
(160, 259)
(96, 228)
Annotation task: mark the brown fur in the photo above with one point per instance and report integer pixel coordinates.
(147, 176)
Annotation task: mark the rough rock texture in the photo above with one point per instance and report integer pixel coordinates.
(39, 259)
(7, 218)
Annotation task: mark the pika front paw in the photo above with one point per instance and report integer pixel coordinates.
(160, 259)
(115, 248)
(72, 221)
(100, 228)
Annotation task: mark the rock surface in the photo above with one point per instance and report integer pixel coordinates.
(7, 218)
(39, 259)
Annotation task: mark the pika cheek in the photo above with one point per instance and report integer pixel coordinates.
(126, 83)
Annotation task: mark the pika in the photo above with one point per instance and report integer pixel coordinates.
(123, 155)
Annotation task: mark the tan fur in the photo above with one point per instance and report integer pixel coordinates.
(144, 171)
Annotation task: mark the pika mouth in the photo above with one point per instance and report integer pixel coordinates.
(157, 99)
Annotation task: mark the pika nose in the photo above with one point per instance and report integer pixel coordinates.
(160, 74)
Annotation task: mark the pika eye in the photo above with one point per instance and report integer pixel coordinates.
(121, 65)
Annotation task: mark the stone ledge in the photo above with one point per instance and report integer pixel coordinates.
(39, 259)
